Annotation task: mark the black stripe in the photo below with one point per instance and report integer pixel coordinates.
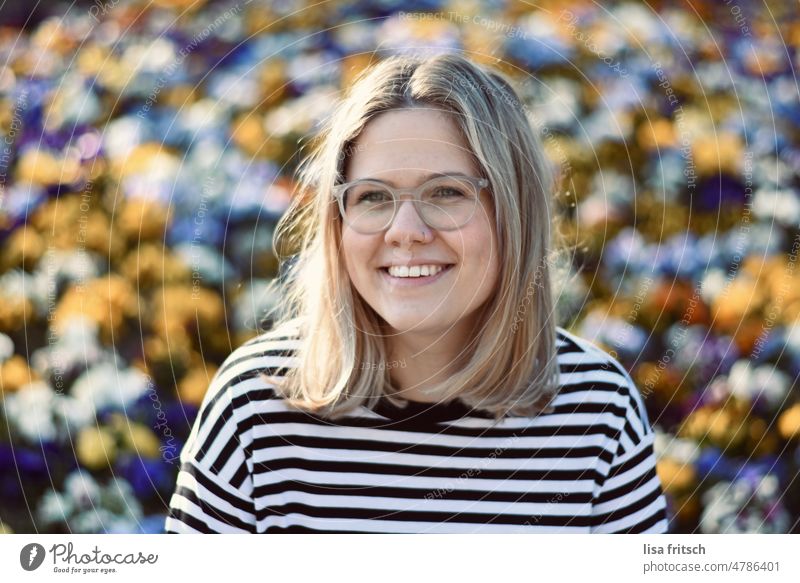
(239, 477)
(569, 344)
(648, 522)
(256, 395)
(189, 520)
(613, 494)
(280, 352)
(594, 387)
(297, 529)
(421, 493)
(629, 431)
(221, 389)
(226, 454)
(630, 464)
(590, 367)
(225, 416)
(216, 489)
(568, 408)
(310, 420)
(422, 471)
(435, 517)
(209, 510)
(323, 443)
(623, 512)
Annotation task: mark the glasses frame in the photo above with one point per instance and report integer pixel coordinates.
(412, 194)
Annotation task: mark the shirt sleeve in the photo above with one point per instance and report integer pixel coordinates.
(213, 493)
(630, 499)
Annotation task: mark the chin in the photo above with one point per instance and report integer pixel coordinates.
(415, 325)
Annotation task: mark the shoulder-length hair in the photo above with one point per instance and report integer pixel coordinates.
(510, 367)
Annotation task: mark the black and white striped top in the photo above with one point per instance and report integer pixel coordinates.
(254, 464)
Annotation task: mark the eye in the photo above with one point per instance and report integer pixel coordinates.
(367, 195)
(372, 196)
(448, 192)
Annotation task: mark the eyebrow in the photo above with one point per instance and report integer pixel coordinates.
(425, 178)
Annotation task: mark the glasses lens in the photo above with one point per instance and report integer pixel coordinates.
(448, 203)
(368, 207)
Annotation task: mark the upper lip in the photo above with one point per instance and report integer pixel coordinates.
(417, 262)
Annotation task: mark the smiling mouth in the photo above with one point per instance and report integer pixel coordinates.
(413, 274)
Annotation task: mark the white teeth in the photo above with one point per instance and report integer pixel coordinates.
(414, 271)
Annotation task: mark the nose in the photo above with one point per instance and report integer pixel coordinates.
(407, 226)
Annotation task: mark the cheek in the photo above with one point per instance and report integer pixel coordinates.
(355, 251)
(348, 253)
(482, 246)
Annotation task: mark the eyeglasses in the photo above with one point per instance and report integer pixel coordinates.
(444, 203)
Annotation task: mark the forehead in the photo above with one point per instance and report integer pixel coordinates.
(408, 142)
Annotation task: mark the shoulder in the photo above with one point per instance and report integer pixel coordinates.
(590, 375)
(575, 350)
(241, 378)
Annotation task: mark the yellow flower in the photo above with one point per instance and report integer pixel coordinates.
(143, 219)
(718, 152)
(676, 477)
(96, 447)
(15, 313)
(151, 264)
(135, 436)
(194, 385)
(659, 134)
(41, 167)
(108, 300)
(15, 373)
(789, 422)
(23, 247)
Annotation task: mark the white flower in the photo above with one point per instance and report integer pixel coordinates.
(76, 348)
(30, 411)
(765, 381)
(72, 414)
(88, 507)
(720, 510)
(772, 204)
(712, 285)
(742, 507)
(94, 520)
(679, 449)
(82, 489)
(6, 347)
(54, 508)
(104, 385)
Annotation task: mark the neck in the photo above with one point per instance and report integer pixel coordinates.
(421, 360)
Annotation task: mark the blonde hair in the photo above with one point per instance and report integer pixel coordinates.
(510, 366)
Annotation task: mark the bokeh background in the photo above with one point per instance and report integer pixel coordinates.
(148, 150)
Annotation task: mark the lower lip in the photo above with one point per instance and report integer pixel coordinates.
(414, 281)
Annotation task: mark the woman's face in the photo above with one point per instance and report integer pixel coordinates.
(402, 147)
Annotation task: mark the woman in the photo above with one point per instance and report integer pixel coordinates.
(416, 380)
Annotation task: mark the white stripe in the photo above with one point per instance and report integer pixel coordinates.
(400, 526)
(525, 509)
(628, 498)
(190, 483)
(288, 431)
(632, 520)
(422, 482)
(195, 511)
(399, 460)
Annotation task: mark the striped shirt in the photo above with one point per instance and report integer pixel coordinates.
(254, 464)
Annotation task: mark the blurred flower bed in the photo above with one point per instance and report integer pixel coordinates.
(148, 153)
